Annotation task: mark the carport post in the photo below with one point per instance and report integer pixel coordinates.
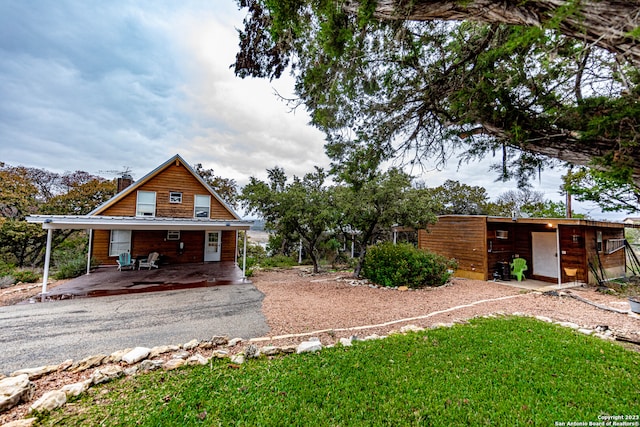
(47, 259)
(235, 259)
(559, 256)
(89, 251)
(244, 256)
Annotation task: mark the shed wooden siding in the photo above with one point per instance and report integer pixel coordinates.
(614, 264)
(573, 253)
(462, 238)
(174, 178)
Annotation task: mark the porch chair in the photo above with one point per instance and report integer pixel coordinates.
(124, 261)
(518, 267)
(150, 261)
(572, 273)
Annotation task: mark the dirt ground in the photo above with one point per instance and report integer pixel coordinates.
(299, 305)
(296, 302)
(23, 291)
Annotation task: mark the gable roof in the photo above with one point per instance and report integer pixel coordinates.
(133, 187)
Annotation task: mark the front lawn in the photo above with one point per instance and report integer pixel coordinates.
(505, 371)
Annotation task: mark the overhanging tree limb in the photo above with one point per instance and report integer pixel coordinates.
(610, 24)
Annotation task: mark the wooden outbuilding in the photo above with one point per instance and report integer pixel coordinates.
(556, 250)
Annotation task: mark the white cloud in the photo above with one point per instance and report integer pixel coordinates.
(238, 127)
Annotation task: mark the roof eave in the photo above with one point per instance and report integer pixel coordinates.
(96, 222)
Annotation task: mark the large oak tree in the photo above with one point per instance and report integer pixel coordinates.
(532, 81)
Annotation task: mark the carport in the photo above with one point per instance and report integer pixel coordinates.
(97, 222)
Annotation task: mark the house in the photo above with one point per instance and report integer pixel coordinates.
(483, 245)
(171, 210)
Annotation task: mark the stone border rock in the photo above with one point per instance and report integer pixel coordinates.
(18, 387)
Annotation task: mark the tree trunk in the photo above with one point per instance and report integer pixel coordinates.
(604, 23)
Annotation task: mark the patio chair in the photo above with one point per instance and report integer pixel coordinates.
(518, 267)
(150, 261)
(125, 261)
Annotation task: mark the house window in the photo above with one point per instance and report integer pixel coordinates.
(119, 242)
(202, 206)
(146, 205)
(173, 235)
(175, 197)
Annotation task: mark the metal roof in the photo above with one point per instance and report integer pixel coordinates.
(98, 222)
(553, 221)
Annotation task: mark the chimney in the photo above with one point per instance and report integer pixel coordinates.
(124, 181)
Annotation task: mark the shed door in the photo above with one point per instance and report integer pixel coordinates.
(212, 246)
(545, 254)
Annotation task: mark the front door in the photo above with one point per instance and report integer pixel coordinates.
(212, 246)
(545, 254)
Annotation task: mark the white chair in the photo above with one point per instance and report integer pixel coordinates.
(150, 261)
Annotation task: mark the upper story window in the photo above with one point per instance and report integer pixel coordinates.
(202, 207)
(175, 197)
(146, 205)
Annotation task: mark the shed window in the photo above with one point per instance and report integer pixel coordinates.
(202, 207)
(175, 197)
(119, 242)
(146, 205)
(613, 245)
(173, 235)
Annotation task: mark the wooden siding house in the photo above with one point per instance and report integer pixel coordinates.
(551, 247)
(171, 210)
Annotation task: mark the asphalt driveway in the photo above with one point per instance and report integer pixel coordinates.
(48, 333)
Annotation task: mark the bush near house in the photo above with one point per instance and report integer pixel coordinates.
(278, 261)
(10, 275)
(257, 257)
(402, 264)
(26, 276)
(68, 268)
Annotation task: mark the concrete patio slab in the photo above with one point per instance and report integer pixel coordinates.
(109, 280)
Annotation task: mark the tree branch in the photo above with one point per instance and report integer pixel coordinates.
(607, 24)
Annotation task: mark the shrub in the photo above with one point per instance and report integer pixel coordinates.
(278, 261)
(390, 265)
(26, 276)
(68, 267)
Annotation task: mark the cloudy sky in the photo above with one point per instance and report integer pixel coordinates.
(107, 85)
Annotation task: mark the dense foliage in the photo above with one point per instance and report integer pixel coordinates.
(402, 264)
(27, 191)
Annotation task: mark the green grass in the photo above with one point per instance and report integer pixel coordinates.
(506, 371)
